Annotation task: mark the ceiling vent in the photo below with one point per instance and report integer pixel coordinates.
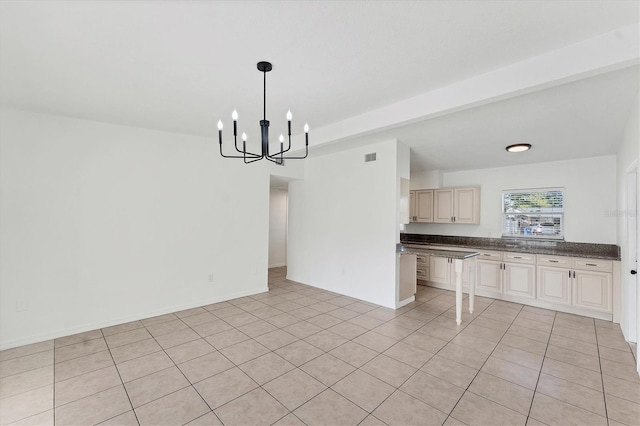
(370, 157)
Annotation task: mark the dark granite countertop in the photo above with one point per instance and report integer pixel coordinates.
(550, 247)
(452, 254)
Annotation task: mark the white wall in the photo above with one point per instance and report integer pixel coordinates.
(426, 180)
(627, 156)
(590, 197)
(343, 224)
(102, 224)
(277, 227)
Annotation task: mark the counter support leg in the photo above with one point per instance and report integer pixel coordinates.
(458, 268)
(472, 284)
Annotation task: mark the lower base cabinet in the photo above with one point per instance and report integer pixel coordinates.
(589, 288)
(553, 285)
(442, 271)
(577, 285)
(489, 276)
(519, 280)
(592, 290)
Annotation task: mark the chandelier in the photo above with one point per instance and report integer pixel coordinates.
(249, 157)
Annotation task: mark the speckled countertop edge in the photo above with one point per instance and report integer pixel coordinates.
(592, 251)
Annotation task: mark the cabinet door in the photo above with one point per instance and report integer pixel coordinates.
(466, 205)
(553, 285)
(443, 205)
(424, 206)
(412, 206)
(592, 290)
(489, 276)
(439, 270)
(519, 280)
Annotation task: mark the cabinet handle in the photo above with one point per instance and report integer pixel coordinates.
(574, 274)
(591, 264)
(569, 274)
(553, 261)
(517, 257)
(486, 254)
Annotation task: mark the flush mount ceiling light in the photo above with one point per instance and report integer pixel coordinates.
(277, 157)
(519, 147)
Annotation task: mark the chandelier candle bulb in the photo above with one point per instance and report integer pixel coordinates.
(306, 134)
(289, 121)
(234, 115)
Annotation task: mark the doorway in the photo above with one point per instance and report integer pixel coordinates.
(278, 217)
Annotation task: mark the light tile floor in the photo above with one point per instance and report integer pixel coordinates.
(299, 355)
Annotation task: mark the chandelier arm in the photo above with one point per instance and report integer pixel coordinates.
(306, 153)
(251, 155)
(277, 160)
(235, 140)
(253, 160)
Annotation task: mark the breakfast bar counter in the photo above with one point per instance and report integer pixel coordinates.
(457, 258)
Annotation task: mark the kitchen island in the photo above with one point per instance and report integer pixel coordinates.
(457, 258)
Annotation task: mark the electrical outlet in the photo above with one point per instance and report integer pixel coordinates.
(210, 278)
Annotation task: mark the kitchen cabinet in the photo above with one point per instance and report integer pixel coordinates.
(577, 285)
(422, 267)
(456, 205)
(407, 281)
(439, 270)
(421, 202)
(442, 271)
(506, 273)
(554, 285)
(581, 283)
(592, 290)
(519, 274)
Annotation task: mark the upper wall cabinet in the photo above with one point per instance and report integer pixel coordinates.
(457, 205)
(422, 205)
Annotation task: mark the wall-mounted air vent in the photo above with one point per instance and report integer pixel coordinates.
(370, 157)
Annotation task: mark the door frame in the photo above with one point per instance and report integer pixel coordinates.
(630, 296)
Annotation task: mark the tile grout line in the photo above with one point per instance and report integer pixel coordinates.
(535, 390)
(480, 369)
(417, 370)
(183, 375)
(604, 397)
(577, 384)
(121, 381)
(54, 381)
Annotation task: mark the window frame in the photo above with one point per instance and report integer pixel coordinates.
(542, 236)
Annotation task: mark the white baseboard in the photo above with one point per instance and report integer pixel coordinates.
(8, 344)
(277, 265)
(405, 302)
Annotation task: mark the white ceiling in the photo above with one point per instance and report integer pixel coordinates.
(179, 66)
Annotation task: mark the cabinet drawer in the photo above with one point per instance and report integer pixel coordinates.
(490, 255)
(593, 265)
(520, 258)
(421, 258)
(422, 274)
(557, 261)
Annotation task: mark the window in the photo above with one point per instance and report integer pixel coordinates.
(533, 213)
